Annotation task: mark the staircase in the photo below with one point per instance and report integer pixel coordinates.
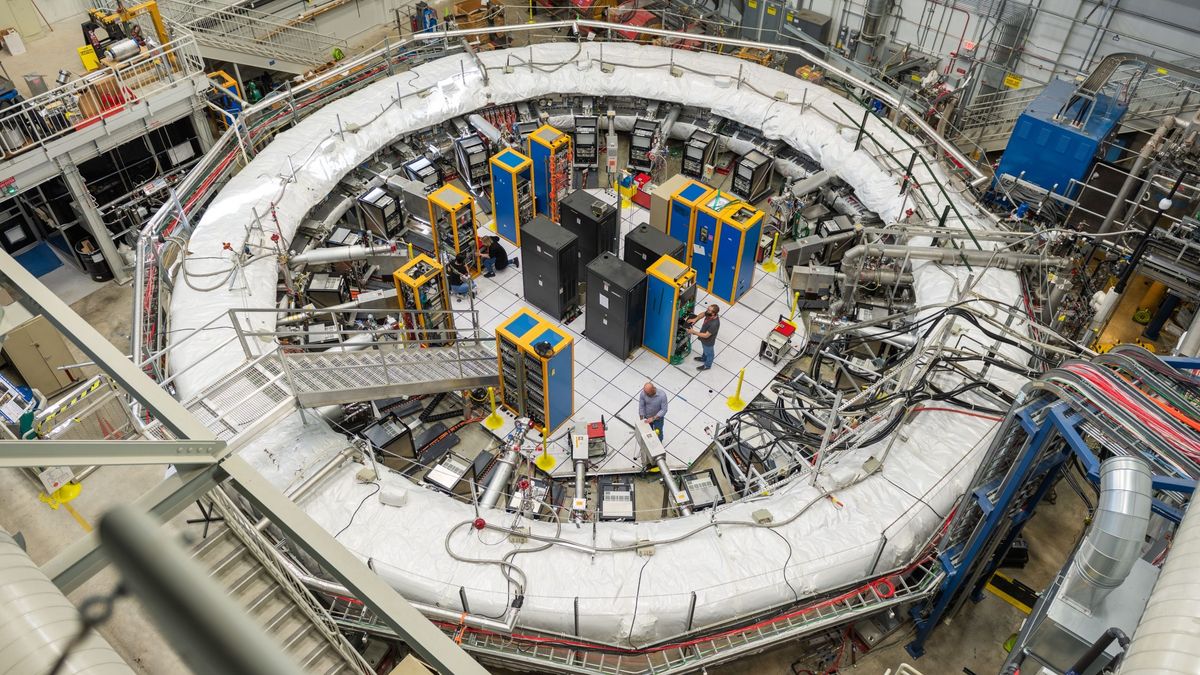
(252, 37)
(238, 559)
(388, 370)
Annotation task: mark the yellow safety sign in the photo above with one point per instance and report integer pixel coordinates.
(1012, 81)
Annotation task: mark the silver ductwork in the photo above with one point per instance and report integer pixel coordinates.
(1114, 542)
(1008, 260)
(37, 622)
(333, 254)
(1167, 639)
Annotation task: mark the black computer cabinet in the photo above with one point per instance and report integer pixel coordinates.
(594, 222)
(644, 245)
(616, 305)
(549, 266)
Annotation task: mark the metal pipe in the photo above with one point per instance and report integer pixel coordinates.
(580, 478)
(1117, 535)
(672, 487)
(1189, 344)
(1139, 164)
(38, 622)
(320, 256)
(1084, 662)
(505, 466)
(952, 256)
(486, 128)
(1167, 638)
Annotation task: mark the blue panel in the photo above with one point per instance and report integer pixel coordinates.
(679, 226)
(693, 192)
(521, 325)
(725, 267)
(560, 386)
(503, 205)
(660, 312)
(701, 253)
(746, 267)
(540, 155)
(1051, 153)
(510, 159)
(549, 335)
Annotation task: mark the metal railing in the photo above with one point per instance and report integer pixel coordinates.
(261, 550)
(98, 95)
(240, 29)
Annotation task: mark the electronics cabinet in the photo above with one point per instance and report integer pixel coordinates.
(616, 305)
(424, 172)
(510, 338)
(594, 222)
(740, 226)
(549, 267)
(752, 175)
(644, 245)
(550, 152)
(616, 498)
(512, 193)
(706, 218)
(587, 143)
(698, 153)
(471, 160)
(452, 216)
(392, 438)
(537, 362)
(670, 299)
(381, 213)
(424, 301)
(326, 290)
(641, 141)
(660, 200)
(681, 215)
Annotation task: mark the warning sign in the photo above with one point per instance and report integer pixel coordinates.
(1012, 81)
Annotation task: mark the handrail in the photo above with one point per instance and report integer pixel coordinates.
(97, 95)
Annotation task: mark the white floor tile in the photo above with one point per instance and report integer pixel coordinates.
(585, 352)
(514, 283)
(502, 301)
(606, 362)
(586, 381)
(680, 412)
(672, 379)
(759, 374)
(748, 343)
(718, 409)
(586, 412)
(628, 380)
(755, 300)
(648, 363)
(697, 394)
(738, 315)
(762, 325)
(612, 400)
(717, 377)
(685, 448)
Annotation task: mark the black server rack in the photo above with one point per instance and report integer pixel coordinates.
(586, 144)
(594, 222)
(550, 267)
(471, 158)
(641, 140)
(424, 172)
(752, 175)
(381, 213)
(699, 151)
(644, 245)
(616, 305)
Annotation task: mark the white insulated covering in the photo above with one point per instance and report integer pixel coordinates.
(733, 568)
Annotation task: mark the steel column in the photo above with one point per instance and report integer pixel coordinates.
(92, 219)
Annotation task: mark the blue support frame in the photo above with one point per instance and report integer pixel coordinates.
(1062, 422)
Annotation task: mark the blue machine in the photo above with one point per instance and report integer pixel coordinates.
(681, 214)
(512, 193)
(670, 298)
(736, 246)
(1051, 153)
(550, 152)
(537, 363)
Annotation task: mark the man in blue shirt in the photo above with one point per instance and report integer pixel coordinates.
(652, 407)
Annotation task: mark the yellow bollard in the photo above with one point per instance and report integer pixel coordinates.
(770, 266)
(545, 461)
(735, 402)
(795, 306)
(410, 252)
(493, 421)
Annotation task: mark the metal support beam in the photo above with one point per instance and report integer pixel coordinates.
(108, 452)
(418, 633)
(92, 219)
(203, 128)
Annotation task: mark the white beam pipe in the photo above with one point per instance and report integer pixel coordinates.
(333, 254)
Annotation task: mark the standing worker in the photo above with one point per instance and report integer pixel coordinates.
(652, 407)
(707, 334)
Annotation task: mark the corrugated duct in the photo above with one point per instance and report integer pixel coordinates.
(1167, 639)
(37, 622)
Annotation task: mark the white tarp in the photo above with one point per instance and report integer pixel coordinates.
(733, 569)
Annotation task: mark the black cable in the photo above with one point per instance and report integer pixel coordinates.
(901, 488)
(795, 595)
(637, 596)
(378, 487)
(93, 612)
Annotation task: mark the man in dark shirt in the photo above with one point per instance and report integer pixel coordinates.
(707, 332)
